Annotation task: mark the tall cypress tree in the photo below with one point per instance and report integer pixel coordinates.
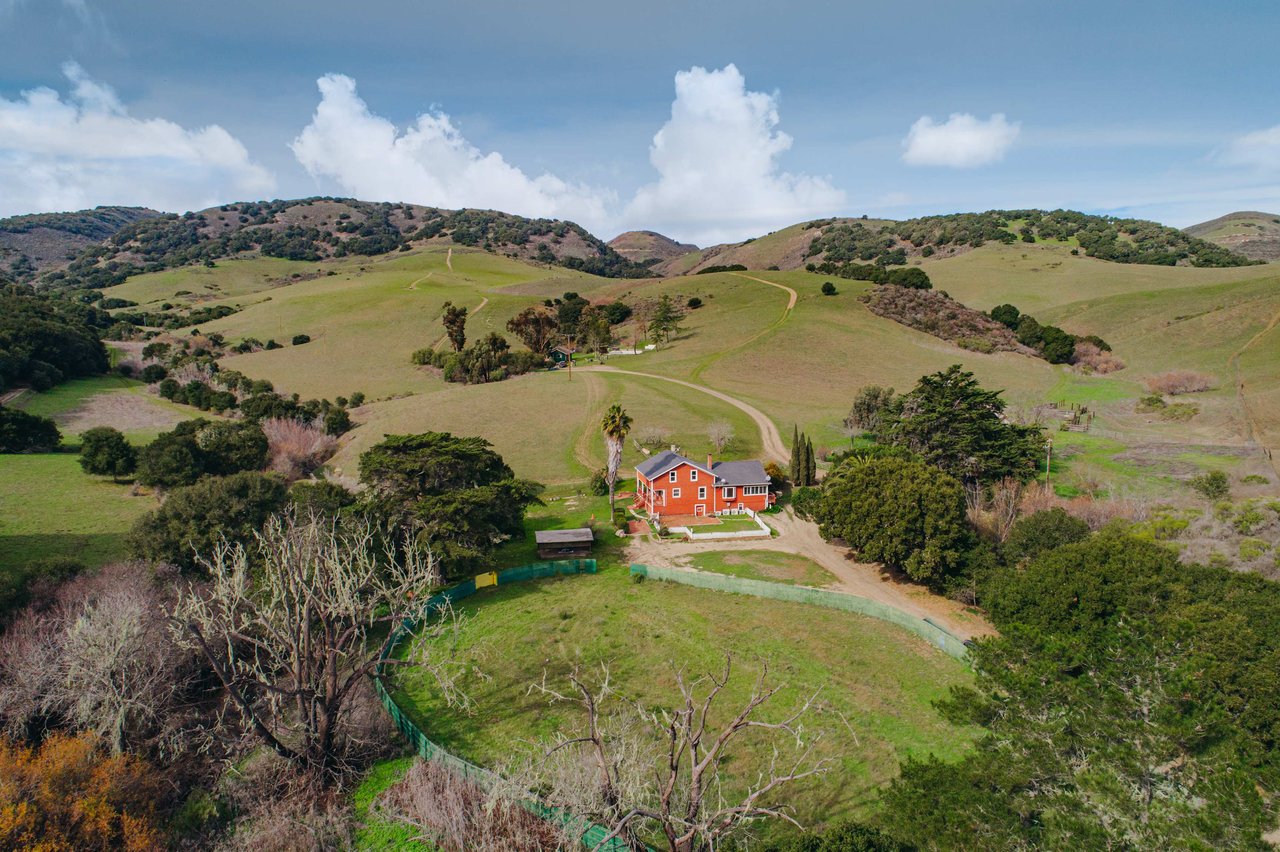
(797, 457)
(810, 465)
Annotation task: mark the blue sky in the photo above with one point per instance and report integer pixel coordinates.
(704, 120)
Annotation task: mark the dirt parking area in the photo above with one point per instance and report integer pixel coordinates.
(123, 410)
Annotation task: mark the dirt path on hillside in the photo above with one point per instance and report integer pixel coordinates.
(1250, 427)
(770, 438)
(854, 578)
(484, 300)
(791, 302)
(448, 261)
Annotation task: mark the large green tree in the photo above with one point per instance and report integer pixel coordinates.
(194, 520)
(1130, 702)
(21, 432)
(105, 452)
(951, 422)
(461, 493)
(904, 513)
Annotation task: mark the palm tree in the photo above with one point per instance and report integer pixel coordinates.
(615, 426)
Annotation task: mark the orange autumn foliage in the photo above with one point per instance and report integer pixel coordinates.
(69, 794)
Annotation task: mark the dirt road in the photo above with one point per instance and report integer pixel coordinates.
(855, 578)
(770, 438)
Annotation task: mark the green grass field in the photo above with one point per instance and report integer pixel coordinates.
(50, 507)
(770, 565)
(877, 682)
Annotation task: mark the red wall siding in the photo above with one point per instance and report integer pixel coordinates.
(688, 501)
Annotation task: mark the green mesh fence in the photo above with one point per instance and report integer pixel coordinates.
(946, 641)
(422, 744)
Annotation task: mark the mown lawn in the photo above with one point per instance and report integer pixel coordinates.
(877, 682)
(771, 565)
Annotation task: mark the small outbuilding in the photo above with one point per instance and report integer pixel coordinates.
(561, 354)
(564, 544)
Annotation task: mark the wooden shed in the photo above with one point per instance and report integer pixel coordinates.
(564, 544)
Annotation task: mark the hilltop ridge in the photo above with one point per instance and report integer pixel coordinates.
(1254, 234)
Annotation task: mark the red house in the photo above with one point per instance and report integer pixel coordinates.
(670, 484)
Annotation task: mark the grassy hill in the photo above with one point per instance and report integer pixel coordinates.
(314, 229)
(30, 245)
(801, 366)
(862, 240)
(646, 246)
(1250, 233)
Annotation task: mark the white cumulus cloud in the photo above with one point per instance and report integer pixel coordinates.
(1259, 149)
(717, 161)
(963, 141)
(85, 149)
(429, 163)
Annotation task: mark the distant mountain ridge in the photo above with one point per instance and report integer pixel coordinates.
(835, 241)
(38, 242)
(313, 229)
(647, 246)
(1254, 234)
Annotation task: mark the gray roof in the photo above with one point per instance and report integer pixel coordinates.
(726, 473)
(740, 473)
(577, 536)
(663, 462)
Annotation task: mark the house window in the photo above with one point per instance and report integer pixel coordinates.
(728, 493)
(702, 492)
(672, 476)
(675, 493)
(749, 490)
(693, 474)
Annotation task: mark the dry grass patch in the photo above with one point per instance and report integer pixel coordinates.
(1175, 382)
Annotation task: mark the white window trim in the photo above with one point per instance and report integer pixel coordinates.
(729, 493)
(702, 492)
(693, 474)
(673, 476)
(675, 493)
(754, 490)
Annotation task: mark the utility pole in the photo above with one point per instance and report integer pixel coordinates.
(1048, 462)
(572, 349)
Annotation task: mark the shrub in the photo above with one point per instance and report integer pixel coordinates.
(321, 497)
(299, 339)
(828, 289)
(21, 432)
(169, 388)
(197, 518)
(357, 399)
(1091, 358)
(805, 499)
(153, 373)
(1213, 485)
(694, 303)
(1175, 382)
(296, 448)
(105, 452)
(271, 344)
(599, 485)
(337, 422)
(68, 793)
(170, 461)
(1045, 530)
(228, 448)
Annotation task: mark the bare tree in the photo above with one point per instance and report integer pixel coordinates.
(288, 625)
(640, 771)
(654, 436)
(720, 433)
(100, 659)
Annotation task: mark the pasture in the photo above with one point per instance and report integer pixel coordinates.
(877, 682)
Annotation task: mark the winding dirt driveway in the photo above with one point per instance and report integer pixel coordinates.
(770, 438)
(854, 578)
(791, 302)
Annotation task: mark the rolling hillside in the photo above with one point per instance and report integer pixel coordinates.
(30, 245)
(646, 246)
(1250, 233)
(313, 229)
(798, 365)
(840, 241)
